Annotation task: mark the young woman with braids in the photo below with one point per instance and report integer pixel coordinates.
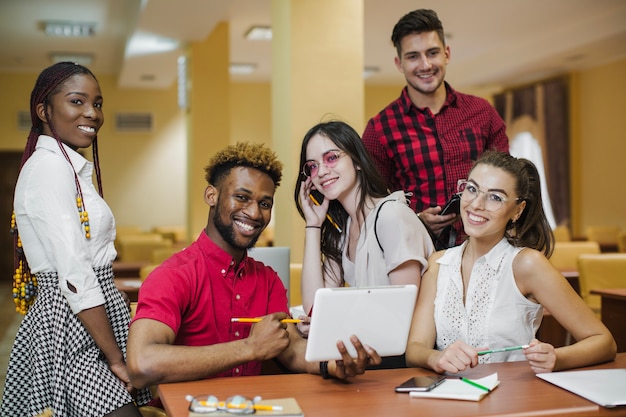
(490, 292)
(69, 353)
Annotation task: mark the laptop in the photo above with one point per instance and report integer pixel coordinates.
(605, 387)
(276, 257)
(379, 316)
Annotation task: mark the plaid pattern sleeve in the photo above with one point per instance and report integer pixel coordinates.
(426, 154)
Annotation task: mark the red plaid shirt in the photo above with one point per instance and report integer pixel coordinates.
(426, 154)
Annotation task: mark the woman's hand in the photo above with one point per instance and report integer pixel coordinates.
(455, 358)
(314, 215)
(120, 371)
(541, 356)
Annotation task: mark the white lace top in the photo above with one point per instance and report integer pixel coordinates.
(495, 314)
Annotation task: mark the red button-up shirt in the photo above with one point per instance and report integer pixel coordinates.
(198, 290)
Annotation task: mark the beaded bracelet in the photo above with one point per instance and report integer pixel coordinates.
(324, 370)
(312, 227)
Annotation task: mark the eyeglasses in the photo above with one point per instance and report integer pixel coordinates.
(237, 404)
(493, 200)
(329, 159)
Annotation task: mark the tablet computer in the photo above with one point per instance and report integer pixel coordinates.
(379, 316)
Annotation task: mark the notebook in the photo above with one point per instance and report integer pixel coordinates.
(379, 316)
(606, 387)
(456, 389)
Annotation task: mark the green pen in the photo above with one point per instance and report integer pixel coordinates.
(506, 349)
(475, 384)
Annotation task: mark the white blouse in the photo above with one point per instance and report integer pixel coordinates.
(495, 314)
(49, 225)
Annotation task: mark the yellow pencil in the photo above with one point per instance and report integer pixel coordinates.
(330, 219)
(258, 319)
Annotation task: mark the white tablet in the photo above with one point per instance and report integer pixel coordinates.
(379, 316)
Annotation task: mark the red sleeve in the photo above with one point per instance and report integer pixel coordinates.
(377, 152)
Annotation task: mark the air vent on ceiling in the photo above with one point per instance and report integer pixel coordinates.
(23, 120)
(133, 122)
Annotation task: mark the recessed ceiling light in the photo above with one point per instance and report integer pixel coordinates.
(259, 33)
(82, 59)
(69, 29)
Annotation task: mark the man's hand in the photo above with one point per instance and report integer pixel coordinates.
(348, 366)
(435, 222)
(269, 336)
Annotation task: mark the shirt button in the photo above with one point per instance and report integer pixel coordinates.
(223, 271)
(237, 297)
(236, 370)
(236, 334)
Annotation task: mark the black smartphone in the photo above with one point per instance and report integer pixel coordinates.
(452, 206)
(420, 383)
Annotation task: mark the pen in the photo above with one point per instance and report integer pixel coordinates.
(258, 319)
(506, 349)
(330, 219)
(475, 384)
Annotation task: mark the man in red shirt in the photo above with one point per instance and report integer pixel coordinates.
(428, 138)
(182, 329)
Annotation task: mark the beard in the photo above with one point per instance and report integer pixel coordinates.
(227, 232)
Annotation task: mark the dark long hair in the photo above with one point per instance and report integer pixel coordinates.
(532, 229)
(369, 181)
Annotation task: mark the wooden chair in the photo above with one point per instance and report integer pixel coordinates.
(177, 234)
(621, 241)
(565, 255)
(601, 271)
(133, 248)
(606, 236)
(562, 234)
(295, 276)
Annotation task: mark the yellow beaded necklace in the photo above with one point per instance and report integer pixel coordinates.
(25, 283)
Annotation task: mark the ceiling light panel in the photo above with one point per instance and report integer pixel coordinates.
(259, 33)
(69, 29)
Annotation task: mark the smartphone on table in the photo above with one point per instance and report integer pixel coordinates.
(420, 383)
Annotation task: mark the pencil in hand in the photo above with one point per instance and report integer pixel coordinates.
(328, 216)
(258, 319)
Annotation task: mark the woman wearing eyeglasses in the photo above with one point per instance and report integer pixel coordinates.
(356, 232)
(483, 301)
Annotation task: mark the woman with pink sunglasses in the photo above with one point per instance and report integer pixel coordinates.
(357, 233)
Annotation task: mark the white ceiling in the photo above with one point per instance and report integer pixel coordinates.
(493, 42)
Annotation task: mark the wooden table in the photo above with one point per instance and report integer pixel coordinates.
(130, 286)
(520, 393)
(613, 313)
(123, 269)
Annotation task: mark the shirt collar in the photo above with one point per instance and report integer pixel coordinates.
(491, 258)
(407, 104)
(216, 254)
(49, 143)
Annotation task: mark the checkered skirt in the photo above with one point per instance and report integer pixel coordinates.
(56, 364)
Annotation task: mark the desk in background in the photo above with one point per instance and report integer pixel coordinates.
(520, 393)
(613, 312)
(122, 269)
(130, 286)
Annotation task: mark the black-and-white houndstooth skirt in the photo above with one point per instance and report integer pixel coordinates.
(56, 365)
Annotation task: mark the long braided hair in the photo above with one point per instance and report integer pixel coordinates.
(49, 83)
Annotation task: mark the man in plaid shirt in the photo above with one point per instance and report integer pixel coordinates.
(427, 139)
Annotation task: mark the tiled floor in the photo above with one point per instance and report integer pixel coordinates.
(9, 322)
